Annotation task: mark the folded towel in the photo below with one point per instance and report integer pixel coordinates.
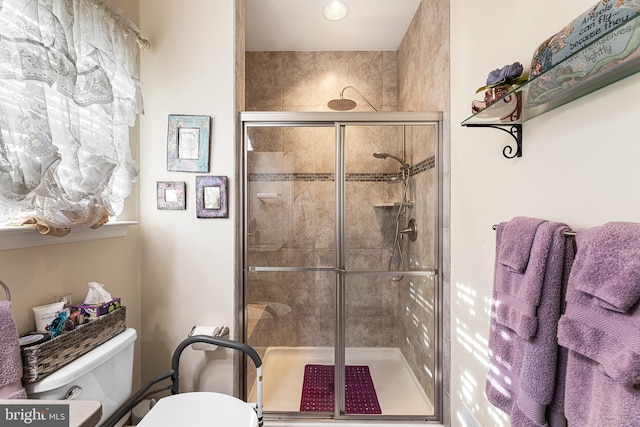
(518, 293)
(607, 265)
(10, 360)
(517, 241)
(522, 378)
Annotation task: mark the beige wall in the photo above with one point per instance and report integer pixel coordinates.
(188, 263)
(579, 167)
(35, 275)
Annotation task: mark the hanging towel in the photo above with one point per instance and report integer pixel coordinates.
(518, 292)
(522, 379)
(603, 368)
(517, 241)
(10, 360)
(607, 265)
(592, 399)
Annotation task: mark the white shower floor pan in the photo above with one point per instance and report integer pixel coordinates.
(397, 389)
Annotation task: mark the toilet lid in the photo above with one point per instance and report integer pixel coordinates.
(199, 409)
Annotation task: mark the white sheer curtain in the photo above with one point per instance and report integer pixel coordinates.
(69, 91)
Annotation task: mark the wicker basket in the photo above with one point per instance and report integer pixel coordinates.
(40, 360)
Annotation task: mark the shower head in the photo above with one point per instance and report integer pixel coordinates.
(342, 104)
(345, 104)
(379, 155)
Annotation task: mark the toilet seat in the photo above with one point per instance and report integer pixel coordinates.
(200, 408)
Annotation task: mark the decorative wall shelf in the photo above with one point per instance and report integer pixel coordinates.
(564, 83)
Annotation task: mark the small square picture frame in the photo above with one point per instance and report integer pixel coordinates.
(171, 195)
(188, 139)
(211, 197)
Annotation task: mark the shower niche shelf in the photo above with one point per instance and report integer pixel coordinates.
(264, 247)
(393, 205)
(565, 82)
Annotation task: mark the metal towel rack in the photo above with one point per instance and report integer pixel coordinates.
(566, 233)
(6, 289)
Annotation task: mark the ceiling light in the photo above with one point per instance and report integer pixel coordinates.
(336, 10)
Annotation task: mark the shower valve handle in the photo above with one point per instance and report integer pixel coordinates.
(412, 230)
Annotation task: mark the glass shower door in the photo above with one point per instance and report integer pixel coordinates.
(340, 237)
(290, 256)
(387, 285)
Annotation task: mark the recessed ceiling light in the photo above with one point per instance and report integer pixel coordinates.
(336, 10)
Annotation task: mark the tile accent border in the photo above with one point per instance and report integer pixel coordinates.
(423, 166)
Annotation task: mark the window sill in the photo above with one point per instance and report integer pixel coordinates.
(27, 237)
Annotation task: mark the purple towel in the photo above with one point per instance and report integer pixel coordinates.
(10, 360)
(522, 378)
(517, 241)
(603, 368)
(592, 399)
(518, 293)
(607, 337)
(607, 265)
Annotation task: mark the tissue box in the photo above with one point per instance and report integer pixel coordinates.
(93, 311)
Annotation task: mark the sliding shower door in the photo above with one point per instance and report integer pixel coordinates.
(289, 220)
(339, 263)
(388, 265)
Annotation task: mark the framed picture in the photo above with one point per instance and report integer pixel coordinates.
(171, 195)
(211, 197)
(188, 143)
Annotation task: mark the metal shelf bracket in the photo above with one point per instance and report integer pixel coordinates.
(515, 130)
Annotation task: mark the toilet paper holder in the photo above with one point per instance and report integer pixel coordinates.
(213, 331)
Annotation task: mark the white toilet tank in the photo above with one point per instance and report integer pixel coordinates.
(103, 374)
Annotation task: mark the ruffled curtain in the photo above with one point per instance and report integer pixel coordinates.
(69, 91)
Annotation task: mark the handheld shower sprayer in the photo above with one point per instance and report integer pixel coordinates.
(379, 155)
(345, 104)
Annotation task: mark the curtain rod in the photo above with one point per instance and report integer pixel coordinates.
(566, 233)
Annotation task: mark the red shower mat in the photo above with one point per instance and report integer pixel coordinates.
(318, 387)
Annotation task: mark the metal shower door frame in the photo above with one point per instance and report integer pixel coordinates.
(340, 121)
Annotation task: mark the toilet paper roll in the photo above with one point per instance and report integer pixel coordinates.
(212, 331)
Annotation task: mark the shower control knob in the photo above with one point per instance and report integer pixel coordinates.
(412, 230)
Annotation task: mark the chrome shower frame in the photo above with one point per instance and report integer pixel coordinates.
(338, 120)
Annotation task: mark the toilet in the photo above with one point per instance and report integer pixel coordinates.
(93, 376)
(200, 408)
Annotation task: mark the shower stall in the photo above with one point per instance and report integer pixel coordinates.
(340, 259)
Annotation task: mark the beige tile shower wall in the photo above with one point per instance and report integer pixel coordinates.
(297, 230)
(302, 224)
(423, 85)
(423, 60)
(306, 81)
